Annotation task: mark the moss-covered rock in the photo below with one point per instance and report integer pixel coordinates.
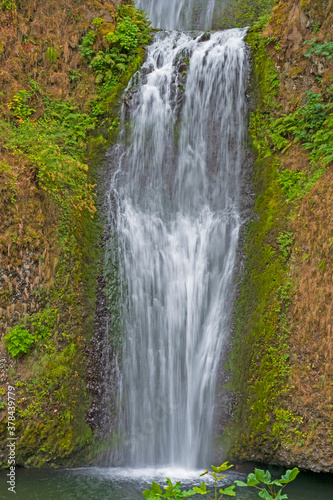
(280, 359)
(50, 233)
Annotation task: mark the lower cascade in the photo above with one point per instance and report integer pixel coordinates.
(176, 189)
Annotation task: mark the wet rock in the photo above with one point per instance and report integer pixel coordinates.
(205, 37)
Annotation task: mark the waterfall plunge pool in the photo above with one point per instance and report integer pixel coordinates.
(94, 483)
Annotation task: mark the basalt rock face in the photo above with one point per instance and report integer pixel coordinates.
(282, 356)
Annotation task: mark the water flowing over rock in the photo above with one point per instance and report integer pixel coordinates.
(176, 190)
(179, 14)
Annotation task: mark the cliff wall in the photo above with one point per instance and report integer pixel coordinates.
(282, 356)
(63, 67)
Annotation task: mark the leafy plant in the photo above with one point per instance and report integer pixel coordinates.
(20, 105)
(292, 182)
(238, 13)
(174, 491)
(311, 124)
(19, 340)
(121, 52)
(52, 54)
(86, 48)
(285, 240)
(269, 490)
(217, 475)
(55, 146)
(323, 50)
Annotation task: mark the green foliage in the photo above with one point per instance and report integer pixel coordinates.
(292, 183)
(322, 50)
(20, 107)
(126, 35)
(7, 5)
(86, 48)
(269, 490)
(310, 124)
(240, 13)
(9, 179)
(54, 144)
(171, 491)
(122, 55)
(217, 475)
(260, 357)
(174, 491)
(37, 329)
(52, 54)
(42, 323)
(285, 241)
(19, 340)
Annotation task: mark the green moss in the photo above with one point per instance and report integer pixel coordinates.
(52, 393)
(259, 359)
(240, 13)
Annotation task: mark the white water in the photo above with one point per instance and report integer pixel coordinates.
(179, 14)
(178, 221)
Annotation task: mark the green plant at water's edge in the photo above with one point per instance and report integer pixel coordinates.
(269, 490)
(121, 53)
(261, 480)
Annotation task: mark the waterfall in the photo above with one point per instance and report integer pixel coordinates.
(176, 193)
(179, 14)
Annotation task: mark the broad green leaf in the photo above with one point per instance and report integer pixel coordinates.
(289, 476)
(185, 494)
(263, 477)
(202, 490)
(150, 495)
(265, 495)
(222, 467)
(155, 488)
(252, 480)
(214, 476)
(229, 491)
(154, 492)
(277, 482)
(240, 483)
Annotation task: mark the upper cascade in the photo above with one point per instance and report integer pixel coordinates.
(179, 14)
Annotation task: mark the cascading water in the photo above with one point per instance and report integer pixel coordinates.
(176, 187)
(179, 14)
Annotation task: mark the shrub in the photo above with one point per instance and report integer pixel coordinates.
(19, 340)
(261, 480)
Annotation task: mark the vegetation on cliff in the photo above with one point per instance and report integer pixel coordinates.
(63, 68)
(239, 13)
(282, 360)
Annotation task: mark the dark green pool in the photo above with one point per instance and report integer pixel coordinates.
(125, 484)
